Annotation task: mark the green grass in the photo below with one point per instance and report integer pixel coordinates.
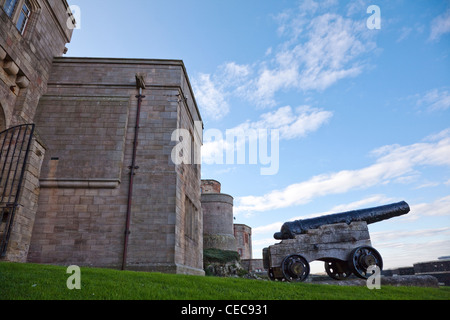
(44, 282)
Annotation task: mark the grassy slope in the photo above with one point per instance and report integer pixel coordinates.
(43, 282)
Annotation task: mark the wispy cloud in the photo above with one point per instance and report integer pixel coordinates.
(376, 199)
(386, 236)
(440, 26)
(321, 50)
(435, 100)
(402, 248)
(318, 49)
(210, 97)
(404, 33)
(440, 207)
(291, 124)
(392, 162)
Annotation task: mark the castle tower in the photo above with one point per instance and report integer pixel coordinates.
(243, 235)
(217, 210)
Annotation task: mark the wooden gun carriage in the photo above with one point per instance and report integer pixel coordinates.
(341, 240)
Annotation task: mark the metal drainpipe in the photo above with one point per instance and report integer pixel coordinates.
(140, 85)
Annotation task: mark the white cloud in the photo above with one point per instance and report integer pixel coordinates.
(377, 199)
(233, 72)
(428, 185)
(440, 26)
(320, 50)
(270, 228)
(404, 33)
(438, 136)
(291, 123)
(440, 207)
(393, 162)
(389, 235)
(435, 100)
(319, 53)
(210, 97)
(402, 248)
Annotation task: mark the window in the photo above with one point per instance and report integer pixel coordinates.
(9, 7)
(24, 16)
(19, 11)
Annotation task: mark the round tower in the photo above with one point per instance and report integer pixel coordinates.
(217, 210)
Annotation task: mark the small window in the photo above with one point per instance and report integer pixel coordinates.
(24, 16)
(9, 7)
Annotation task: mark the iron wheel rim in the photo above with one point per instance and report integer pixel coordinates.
(364, 257)
(295, 268)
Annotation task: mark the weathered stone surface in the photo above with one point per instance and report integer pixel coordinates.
(243, 236)
(24, 70)
(24, 217)
(222, 263)
(2, 53)
(228, 269)
(88, 120)
(30, 55)
(11, 68)
(220, 241)
(218, 221)
(86, 111)
(211, 186)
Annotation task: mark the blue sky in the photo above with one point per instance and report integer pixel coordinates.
(362, 114)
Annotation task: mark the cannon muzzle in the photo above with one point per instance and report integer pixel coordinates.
(371, 215)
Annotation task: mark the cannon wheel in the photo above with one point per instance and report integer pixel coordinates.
(338, 270)
(362, 258)
(295, 268)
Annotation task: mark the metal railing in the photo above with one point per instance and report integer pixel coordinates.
(15, 145)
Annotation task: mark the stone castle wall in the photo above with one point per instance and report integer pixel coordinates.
(25, 64)
(87, 119)
(26, 59)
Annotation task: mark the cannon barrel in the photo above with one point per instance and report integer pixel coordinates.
(371, 215)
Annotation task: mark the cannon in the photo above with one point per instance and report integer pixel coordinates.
(341, 240)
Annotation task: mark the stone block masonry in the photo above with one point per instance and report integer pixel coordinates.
(26, 59)
(243, 235)
(75, 196)
(24, 216)
(25, 62)
(87, 120)
(217, 209)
